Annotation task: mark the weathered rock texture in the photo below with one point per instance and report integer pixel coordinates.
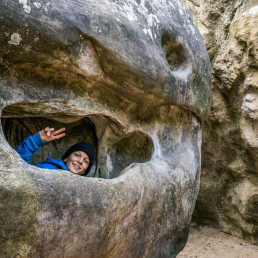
(229, 182)
(131, 77)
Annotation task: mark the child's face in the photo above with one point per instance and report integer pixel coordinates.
(77, 162)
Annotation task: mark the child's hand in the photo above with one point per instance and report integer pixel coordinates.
(49, 134)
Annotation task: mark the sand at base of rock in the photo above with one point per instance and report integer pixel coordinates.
(209, 242)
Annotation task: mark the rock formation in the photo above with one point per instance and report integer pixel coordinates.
(229, 183)
(131, 77)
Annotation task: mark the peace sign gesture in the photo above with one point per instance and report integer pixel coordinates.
(49, 134)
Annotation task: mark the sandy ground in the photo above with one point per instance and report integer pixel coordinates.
(208, 242)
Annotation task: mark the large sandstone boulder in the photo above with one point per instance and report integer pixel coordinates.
(131, 77)
(229, 182)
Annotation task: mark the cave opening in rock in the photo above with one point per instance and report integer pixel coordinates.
(115, 148)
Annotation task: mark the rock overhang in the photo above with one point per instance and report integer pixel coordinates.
(135, 46)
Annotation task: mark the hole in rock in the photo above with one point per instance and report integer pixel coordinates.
(174, 51)
(115, 149)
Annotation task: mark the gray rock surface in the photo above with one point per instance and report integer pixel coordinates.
(133, 78)
(229, 182)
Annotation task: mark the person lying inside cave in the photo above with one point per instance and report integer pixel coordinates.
(78, 159)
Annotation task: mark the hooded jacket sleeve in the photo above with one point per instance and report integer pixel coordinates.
(29, 146)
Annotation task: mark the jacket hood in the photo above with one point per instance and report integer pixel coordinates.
(56, 162)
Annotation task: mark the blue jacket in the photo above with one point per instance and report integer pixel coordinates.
(31, 145)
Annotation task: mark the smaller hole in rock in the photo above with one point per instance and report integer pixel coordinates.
(174, 51)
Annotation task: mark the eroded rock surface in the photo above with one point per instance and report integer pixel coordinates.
(131, 77)
(229, 182)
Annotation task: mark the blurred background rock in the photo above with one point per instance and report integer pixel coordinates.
(228, 196)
